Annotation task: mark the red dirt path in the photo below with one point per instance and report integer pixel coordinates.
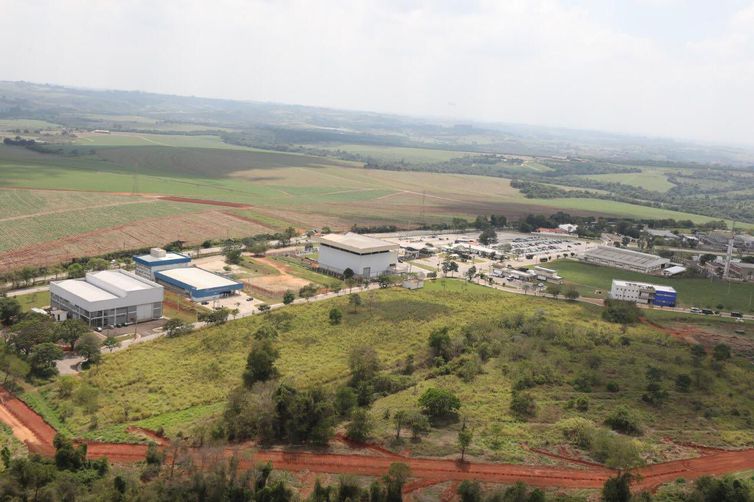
(38, 435)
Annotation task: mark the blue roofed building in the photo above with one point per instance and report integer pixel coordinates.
(157, 260)
(197, 283)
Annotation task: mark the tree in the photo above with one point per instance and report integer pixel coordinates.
(465, 436)
(553, 290)
(345, 400)
(623, 420)
(348, 274)
(418, 423)
(523, 405)
(439, 403)
(264, 308)
(698, 353)
(75, 271)
(10, 309)
(683, 383)
(396, 477)
(232, 250)
(260, 364)
(471, 272)
(488, 236)
(88, 347)
(706, 258)
(111, 343)
(266, 332)
(32, 331)
(288, 297)
(617, 489)
(470, 491)
(384, 281)
(364, 364)
(571, 294)
(42, 359)
(439, 343)
(399, 419)
(257, 247)
(721, 352)
(620, 312)
(215, 317)
(354, 300)
(176, 327)
(98, 264)
(360, 426)
(70, 330)
(335, 315)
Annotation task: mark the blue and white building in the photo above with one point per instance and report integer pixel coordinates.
(641, 292)
(159, 259)
(198, 283)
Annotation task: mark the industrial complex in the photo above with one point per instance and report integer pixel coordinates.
(626, 259)
(197, 283)
(158, 259)
(108, 298)
(365, 256)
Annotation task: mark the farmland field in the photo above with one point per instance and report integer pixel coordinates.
(180, 383)
(398, 154)
(10, 124)
(650, 178)
(691, 292)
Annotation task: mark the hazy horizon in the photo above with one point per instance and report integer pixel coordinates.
(655, 68)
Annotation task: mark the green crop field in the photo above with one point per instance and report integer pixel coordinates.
(649, 178)
(143, 139)
(691, 292)
(11, 124)
(181, 383)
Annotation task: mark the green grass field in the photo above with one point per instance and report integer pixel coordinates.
(28, 301)
(651, 179)
(11, 124)
(143, 139)
(691, 292)
(180, 383)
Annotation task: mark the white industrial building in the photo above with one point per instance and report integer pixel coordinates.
(158, 259)
(108, 298)
(198, 283)
(366, 256)
(641, 292)
(626, 259)
(547, 274)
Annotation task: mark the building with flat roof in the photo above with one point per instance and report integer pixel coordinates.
(547, 274)
(366, 256)
(108, 298)
(198, 283)
(626, 259)
(158, 259)
(641, 292)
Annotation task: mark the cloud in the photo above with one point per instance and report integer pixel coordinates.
(540, 61)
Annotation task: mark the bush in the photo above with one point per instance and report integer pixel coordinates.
(523, 405)
(620, 312)
(623, 420)
(439, 403)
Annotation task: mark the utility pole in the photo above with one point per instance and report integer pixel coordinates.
(729, 254)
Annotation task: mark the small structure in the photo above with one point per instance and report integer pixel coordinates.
(366, 256)
(414, 282)
(108, 298)
(673, 270)
(742, 270)
(626, 259)
(547, 274)
(663, 234)
(569, 227)
(198, 283)
(553, 231)
(640, 292)
(158, 259)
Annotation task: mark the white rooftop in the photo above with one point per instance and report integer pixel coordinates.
(357, 243)
(84, 290)
(156, 256)
(120, 280)
(197, 278)
(628, 256)
(656, 287)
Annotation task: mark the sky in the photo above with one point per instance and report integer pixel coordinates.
(672, 68)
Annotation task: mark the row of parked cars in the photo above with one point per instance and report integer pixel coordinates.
(694, 310)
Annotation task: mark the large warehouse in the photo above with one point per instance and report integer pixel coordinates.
(158, 259)
(626, 259)
(640, 292)
(108, 298)
(366, 256)
(199, 284)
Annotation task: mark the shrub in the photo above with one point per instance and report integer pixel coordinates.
(620, 312)
(439, 403)
(523, 405)
(623, 420)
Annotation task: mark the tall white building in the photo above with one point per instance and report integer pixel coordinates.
(366, 256)
(108, 298)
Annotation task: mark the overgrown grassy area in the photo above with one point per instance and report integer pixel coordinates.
(691, 292)
(28, 301)
(649, 178)
(566, 353)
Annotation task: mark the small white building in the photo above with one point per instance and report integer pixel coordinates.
(366, 256)
(568, 227)
(547, 274)
(157, 260)
(108, 298)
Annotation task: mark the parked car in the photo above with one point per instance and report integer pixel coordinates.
(695, 310)
(707, 311)
(736, 314)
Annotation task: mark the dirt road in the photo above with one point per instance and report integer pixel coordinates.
(38, 435)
